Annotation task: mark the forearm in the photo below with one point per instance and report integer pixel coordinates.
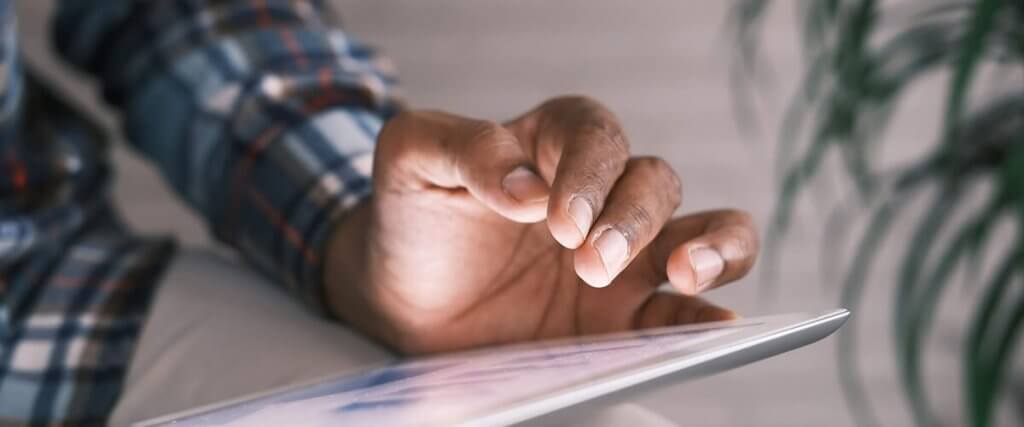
(261, 115)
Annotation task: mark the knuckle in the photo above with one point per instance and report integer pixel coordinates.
(486, 130)
(604, 171)
(574, 101)
(483, 150)
(591, 184)
(601, 131)
(592, 180)
(662, 175)
(484, 134)
(655, 164)
(587, 120)
(662, 170)
(639, 221)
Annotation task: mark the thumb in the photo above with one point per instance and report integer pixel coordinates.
(427, 148)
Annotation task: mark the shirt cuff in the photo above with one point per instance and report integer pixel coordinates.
(311, 177)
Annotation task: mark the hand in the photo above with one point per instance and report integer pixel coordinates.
(453, 252)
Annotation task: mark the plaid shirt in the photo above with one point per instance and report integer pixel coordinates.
(258, 112)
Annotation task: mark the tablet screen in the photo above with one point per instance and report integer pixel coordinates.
(447, 389)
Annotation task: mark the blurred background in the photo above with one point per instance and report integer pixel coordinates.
(665, 67)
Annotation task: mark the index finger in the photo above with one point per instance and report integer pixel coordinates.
(580, 148)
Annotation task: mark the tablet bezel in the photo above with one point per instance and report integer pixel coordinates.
(759, 338)
(765, 337)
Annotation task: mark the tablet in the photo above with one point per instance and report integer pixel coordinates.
(510, 384)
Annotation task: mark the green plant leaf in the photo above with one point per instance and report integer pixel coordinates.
(994, 372)
(791, 187)
(837, 224)
(982, 388)
(979, 393)
(983, 226)
(853, 289)
(914, 326)
(844, 103)
(916, 255)
(793, 119)
(745, 22)
(971, 51)
(921, 243)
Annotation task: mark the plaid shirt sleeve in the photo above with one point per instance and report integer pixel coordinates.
(258, 112)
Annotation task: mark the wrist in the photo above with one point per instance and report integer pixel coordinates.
(345, 261)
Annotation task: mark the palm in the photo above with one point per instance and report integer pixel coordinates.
(486, 280)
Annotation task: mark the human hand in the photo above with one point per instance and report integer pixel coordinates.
(453, 250)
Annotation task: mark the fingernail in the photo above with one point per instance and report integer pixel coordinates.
(524, 185)
(579, 211)
(612, 247)
(707, 265)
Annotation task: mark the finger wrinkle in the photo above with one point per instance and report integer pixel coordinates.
(640, 221)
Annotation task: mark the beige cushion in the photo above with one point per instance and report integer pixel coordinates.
(219, 331)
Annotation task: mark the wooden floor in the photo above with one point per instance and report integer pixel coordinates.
(663, 65)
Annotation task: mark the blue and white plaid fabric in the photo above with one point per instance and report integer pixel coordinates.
(259, 113)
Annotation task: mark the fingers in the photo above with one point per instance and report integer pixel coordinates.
(582, 150)
(638, 308)
(700, 252)
(434, 149)
(643, 199)
(666, 309)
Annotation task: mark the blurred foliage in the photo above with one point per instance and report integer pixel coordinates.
(861, 57)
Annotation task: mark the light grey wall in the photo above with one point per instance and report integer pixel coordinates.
(663, 66)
